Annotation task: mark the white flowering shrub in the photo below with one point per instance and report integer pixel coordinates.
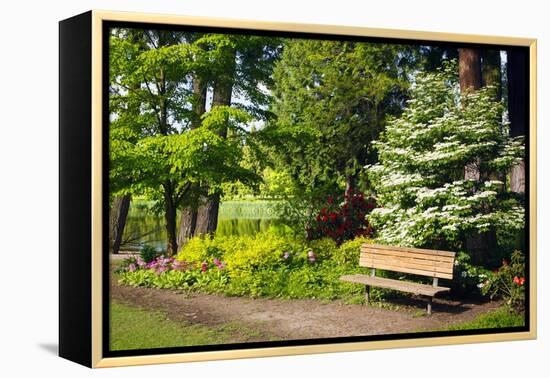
(423, 196)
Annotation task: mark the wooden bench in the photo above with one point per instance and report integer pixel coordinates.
(423, 262)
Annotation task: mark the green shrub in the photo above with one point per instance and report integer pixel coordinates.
(268, 264)
(244, 253)
(468, 279)
(212, 281)
(348, 252)
(148, 253)
(249, 254)
(508, 282)
(324, 249)
(320, 281)
(198, 249)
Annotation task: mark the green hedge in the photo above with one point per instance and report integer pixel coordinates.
(267, 264)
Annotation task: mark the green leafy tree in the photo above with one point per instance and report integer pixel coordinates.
(238, 69)
(157, 147)
(330, 102)
(426, 201)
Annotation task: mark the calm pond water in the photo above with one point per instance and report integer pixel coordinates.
(235, 218)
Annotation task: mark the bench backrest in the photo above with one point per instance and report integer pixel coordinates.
(423, 262)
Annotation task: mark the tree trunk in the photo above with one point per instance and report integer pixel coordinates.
(170, 207)
(491, 76)
(200, 88)
(517, 178)
(188, 224)
(117, 221)
(490, 71)
(188, 217)
(518, 77)
(207, 217)
(469, 69)
(170, 212)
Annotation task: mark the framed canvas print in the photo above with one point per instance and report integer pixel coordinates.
(234, 189)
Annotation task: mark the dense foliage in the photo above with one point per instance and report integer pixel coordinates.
(420, 184)
(330, 100)
(163, 142)
(508, 282)
(267, 264)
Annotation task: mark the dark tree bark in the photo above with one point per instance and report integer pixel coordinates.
(207, 217)
(188, 224)
(491, 76)
(117, 221)
(170, 212)
(490, 71)
(518, 93)
(170, 207)
(469, 66)
(188, 217)
(469, 71)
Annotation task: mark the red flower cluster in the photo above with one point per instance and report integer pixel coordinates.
(343, 222)
(519, 281)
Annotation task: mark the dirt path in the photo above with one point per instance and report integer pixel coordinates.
(299, 318)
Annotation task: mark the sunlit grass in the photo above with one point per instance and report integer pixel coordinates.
(135, 328)
(501, 318)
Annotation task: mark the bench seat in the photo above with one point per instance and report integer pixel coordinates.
(386, 283)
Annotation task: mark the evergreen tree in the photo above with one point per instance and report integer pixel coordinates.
(330, 101)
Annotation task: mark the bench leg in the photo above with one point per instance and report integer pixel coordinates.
(429, 309)
(367, 294)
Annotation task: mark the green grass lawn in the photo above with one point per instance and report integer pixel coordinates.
(135, 328)
(501, 318)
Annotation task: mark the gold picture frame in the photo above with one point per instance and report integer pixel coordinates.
(92, 276)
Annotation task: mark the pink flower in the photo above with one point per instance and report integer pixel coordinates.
(161, 269)
(286, 255)
(141, 263)
(204, 266)
(132, 267)
(311, 256)
(177, 265)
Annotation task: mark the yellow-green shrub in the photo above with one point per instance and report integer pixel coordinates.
(198, 249)
(242, 253)
(324, 248)
(262, 251)
(348, 252)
